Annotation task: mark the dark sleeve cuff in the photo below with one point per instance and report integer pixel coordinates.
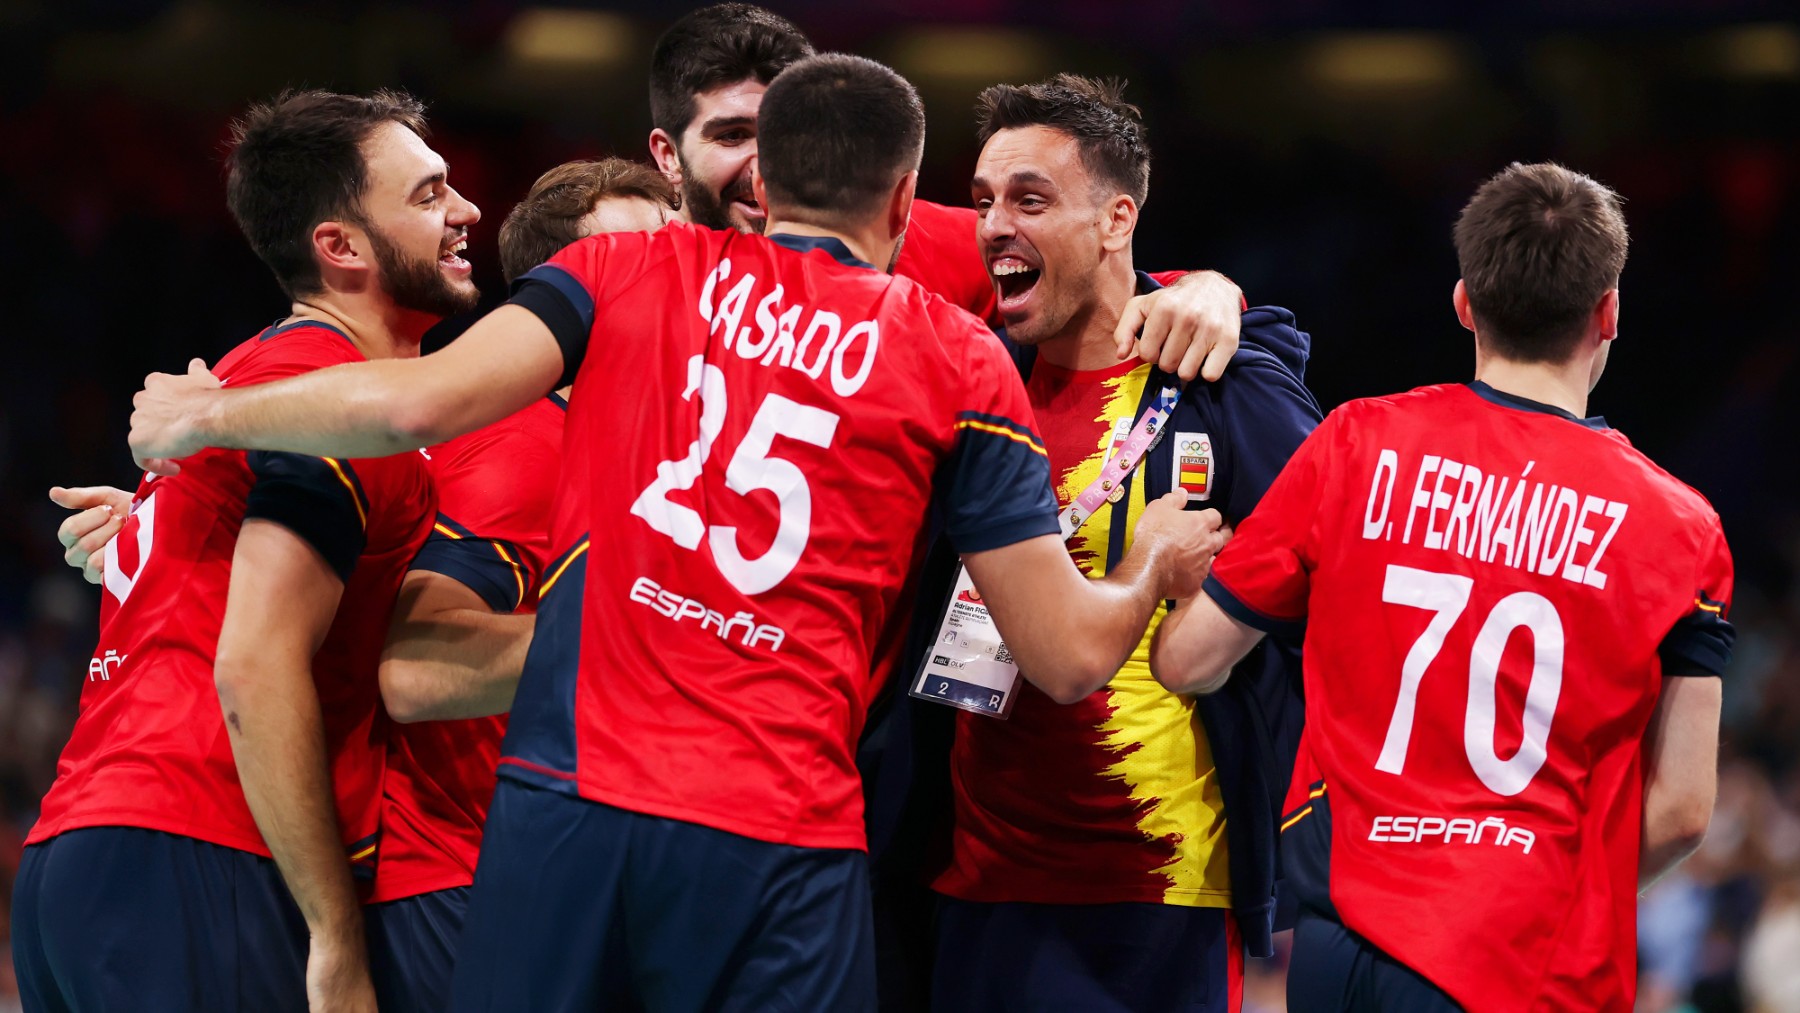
(1700, 644)
(1000, 534)
(1236, 609)
(489, 567)
(564, 306)
(318, 498)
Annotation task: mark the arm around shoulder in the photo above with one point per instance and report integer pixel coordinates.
(362, 409)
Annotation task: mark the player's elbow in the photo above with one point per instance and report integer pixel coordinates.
(1067, 690)
(234, 676)
(402, 692)
(1687, 823)
(415, 419)
(1189, 679)
(1082, 673)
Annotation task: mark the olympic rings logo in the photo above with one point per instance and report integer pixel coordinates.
(1192, 447)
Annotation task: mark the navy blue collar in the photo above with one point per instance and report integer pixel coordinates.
(559, 401)
(1146, 284)
(1505, 400)
(830, 244)
(278, 327)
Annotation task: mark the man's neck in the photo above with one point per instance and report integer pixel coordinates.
(1562, 385)
(865, 246)
(379, 330)
(1086, 341)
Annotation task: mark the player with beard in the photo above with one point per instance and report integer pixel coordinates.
(485, 558)
(222, 785)
(708, 73)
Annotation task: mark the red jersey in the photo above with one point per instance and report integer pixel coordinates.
(941, 253)
(149, 748)
(1490, 608)
(759, 431)
(495, 487)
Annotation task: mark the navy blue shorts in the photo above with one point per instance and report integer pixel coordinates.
(412, 949)
(1334, 969)
(119, 918)
(1090, 957)
(579, 905)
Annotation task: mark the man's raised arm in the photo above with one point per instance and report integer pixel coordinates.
(366, 409)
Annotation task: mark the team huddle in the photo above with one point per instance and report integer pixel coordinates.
(802, 596)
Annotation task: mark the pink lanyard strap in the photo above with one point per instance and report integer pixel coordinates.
(1119, 467)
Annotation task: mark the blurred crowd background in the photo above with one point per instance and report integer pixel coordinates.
(1314, 151)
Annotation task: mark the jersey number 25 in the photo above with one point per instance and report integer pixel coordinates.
(751, 468)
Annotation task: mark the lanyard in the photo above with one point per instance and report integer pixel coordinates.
(1119, 467)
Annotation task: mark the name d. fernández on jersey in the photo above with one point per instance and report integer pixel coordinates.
(1543, 528)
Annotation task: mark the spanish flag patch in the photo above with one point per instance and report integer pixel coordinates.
(1193, 465)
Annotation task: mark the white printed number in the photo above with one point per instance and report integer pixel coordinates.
(1447, 595)
(751, 468)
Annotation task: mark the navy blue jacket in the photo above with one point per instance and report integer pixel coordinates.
(1256, 416)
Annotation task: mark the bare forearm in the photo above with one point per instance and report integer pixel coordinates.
(1681, 764)
(277, 738)
(1072, 643)
(463, 663)
(362, 409)
(1197, 645)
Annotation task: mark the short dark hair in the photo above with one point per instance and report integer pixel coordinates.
(835, 133)
(1108, 129)
(1538, 246)
(297, 161)
(713, 46)
(549, 217)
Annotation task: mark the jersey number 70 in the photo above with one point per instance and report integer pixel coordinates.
(1447, 595)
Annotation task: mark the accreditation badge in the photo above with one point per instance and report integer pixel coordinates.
(1193, 467)
(968, 665)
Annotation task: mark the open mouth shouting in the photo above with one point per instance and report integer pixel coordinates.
(1016, 276)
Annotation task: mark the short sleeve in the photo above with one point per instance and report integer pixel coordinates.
(1701, 640)
(1263, 575)
(495, 491)
(321, 499)
(994, 488)
(570, 289)
(493, 568)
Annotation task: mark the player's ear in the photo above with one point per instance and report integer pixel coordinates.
(1121, 222)
(1460, 299)
(340, 246)
(1606, 315)
(757, 188)
(668, 159)
(900, 201)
